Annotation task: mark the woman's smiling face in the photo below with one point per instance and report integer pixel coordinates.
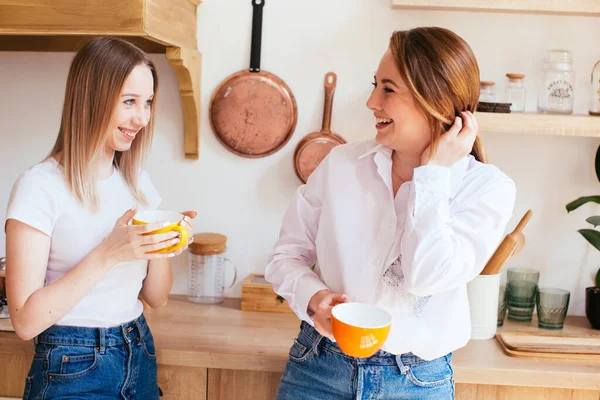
(400, 122)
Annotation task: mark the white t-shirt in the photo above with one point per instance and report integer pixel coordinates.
(41, 198)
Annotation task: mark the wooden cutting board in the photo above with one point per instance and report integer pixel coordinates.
(577, 340)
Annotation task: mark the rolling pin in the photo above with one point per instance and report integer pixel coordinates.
(512, 244)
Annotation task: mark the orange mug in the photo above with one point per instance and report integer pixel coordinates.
(360, 329)
(148, 217)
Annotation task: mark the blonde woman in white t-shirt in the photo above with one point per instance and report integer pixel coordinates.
(75, 266)
(402, 221)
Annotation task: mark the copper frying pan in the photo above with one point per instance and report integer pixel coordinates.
(314, 147)
(253, 113)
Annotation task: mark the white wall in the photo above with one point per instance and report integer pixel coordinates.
(245, 198)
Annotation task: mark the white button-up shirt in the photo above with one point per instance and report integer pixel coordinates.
(412, 255)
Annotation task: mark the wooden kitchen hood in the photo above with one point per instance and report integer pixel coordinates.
(157, 26)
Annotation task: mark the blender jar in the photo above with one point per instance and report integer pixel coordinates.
(206, 279)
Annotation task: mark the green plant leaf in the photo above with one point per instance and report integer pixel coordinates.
(598, 278)
(597, 163)
(581, 201)
(595, 220)
(592, 236)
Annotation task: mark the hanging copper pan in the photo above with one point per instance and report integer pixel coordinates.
(313, 148)
(253, 113)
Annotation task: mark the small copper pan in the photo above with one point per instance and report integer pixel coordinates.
(314, 147)
(253, 113)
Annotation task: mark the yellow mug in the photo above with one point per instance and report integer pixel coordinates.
(360, 329)
(172, 217)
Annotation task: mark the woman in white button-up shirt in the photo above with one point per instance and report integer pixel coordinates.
(402, 221)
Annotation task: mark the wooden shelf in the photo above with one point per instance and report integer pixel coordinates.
(573, 7)
(539, 124)
(157, 26)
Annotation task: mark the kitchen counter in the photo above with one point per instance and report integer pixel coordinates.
(223, 337)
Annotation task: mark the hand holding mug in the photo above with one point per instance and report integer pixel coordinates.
(321, 304)
(186, 222)
(141, 240)
(181, 223)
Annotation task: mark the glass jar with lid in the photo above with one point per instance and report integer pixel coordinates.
(2, 279)
(487, 91)
(515, 92)
(556, 94)
(3, 303)
(206, 278)
(595, 101)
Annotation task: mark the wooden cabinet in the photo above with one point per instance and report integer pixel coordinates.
(491, 392)
(196, 383)
(182, 383)
(252, 385)
(157, 26)
(13, 371)
(227, 384)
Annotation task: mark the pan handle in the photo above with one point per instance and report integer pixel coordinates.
(330, 82)
(257, 14)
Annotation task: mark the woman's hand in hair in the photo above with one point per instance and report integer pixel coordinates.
(128, 242)
(454, 144)
(321, 304)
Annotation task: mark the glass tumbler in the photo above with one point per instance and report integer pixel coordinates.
(522, 287)
(552, 305)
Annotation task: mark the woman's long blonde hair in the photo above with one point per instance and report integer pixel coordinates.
(441, 72)
(93, 89)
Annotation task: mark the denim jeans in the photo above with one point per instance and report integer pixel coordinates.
(317, 369)
(94, 363)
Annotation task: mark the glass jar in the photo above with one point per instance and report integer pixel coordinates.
(515, 92)
(2, 279)
(206, 278)
(3, 303)
(595, 101)
(487, 91)
(556, 93)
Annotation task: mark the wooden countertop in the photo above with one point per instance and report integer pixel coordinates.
(222, 336)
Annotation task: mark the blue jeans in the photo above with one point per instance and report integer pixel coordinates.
(317, 369)
(94, 363)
